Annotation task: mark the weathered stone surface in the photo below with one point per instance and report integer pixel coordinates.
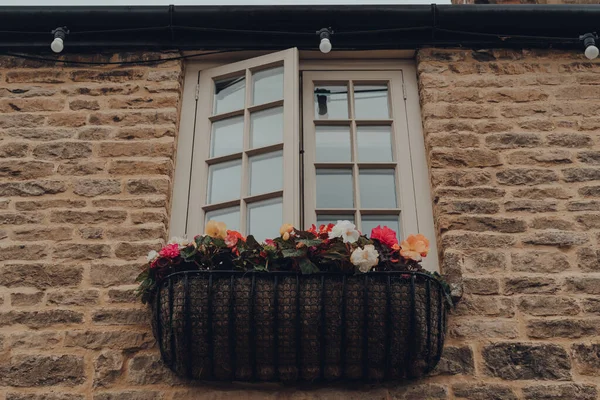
(570, 139)
(558, 392)
(485, 306)
(107, 368)
(422, 391)
(37, 233)
(589, 157)
(43, 370)
(121, 317)
(483, 392)
(563, 328)
(481, 285)
(548, 305)
(587, 358)
(22, 252)
(116, 340)
(114, 274)
(122, 296)
(590, 205)
(33, 205)
(43, 396)
(62, 150)
(35, 340)
(129, 395)
(530, 206)
(484, 224)
(147, 186)
(26, 299)
(526, 176)
(587, 285)
(74, 297)
(88, 217)
(516, 361)
(537, 193)
(589, 221)
(485, 262)
(133, 251)
(589, 191)
(137, 234)
(80, 251)
(552, 223)
(539, 261)
(14, 169)
(556, 238)
(20, 218)
(126, 167)
(149, 369)
(464, 158)
(97, 187)
(40, 319)
(529, 285)
(32, 188)
(482, 328)
(591, 305)
(13, 275)
(81, 168)
(455, 361)
(91, 232)
(512, 140)
(581, 174)
(540, 157)
(469, 207)
(461, 178)
(477, 240)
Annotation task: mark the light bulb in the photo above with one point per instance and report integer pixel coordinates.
(57, 45)
(591, 52)
(325, 46)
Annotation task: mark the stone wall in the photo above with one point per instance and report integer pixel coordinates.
(86, 160)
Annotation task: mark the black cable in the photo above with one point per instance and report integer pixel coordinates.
(505, 37)
(158, 60)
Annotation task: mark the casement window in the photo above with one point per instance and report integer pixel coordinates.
(272, 139)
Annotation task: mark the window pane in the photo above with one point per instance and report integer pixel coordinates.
(230, 216)
(227, 137)
(324, 219)
(266, 173)
(371, 102)
(268, 85)
(377, 188)
(265, 218)
(230, 94)
(224, 181)
(266, 127)
(331, 102)
(334, 188)
(371, 221)
(333, 144)
(374, 143)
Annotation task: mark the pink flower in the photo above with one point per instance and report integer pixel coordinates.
(385, 235)
(170, 251)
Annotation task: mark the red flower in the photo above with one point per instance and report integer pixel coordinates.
(270, 242)
(312, 229)
(170, 251)
(385, 235)
(232, 238)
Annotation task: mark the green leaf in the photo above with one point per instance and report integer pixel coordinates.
(142, 276)
(307, 267)
(251, 242)
(310, 242)
(293, 252)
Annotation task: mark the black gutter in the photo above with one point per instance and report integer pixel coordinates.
(27, 29)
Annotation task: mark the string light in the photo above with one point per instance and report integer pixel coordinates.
(589, 41)
(325, 45)
(58, 44)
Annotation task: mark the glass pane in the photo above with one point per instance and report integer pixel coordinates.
(333, 144)
(324, 219)
(371, 102)
(371, 221)
(230, 94)
(265, 218)
(224, 181)
(377, 188)
(227, 137)
(266, 127)
(374, 143)
(230, 216)
(331, 102)
(266, 173)
(334, 188)
(268, 85)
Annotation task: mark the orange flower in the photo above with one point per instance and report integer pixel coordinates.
(414, 247)
(216, 229)
(232, 238)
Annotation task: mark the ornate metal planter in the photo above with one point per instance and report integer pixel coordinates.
(225, 325)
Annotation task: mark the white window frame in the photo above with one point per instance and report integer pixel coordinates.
(181, 214)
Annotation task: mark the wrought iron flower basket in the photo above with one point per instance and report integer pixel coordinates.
(284, 326)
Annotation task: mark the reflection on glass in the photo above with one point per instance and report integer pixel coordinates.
(268, 85)
(230, 216)
(265, 218)
(224, 181)
(324, 219)
(374, 143)
(266, 173)
(371, 221)
(334, 188)
(333, 144)
(230, 94)
(227, 137)
(266, 127)
(371, 102)
(377, 188)
(331, 102)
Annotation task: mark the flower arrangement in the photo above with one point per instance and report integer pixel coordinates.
(334, 247)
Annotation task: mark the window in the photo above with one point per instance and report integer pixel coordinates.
(243, 158)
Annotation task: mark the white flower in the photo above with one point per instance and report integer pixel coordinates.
(365, 258)
(346, 230)
(152, 254)
(181, 241)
